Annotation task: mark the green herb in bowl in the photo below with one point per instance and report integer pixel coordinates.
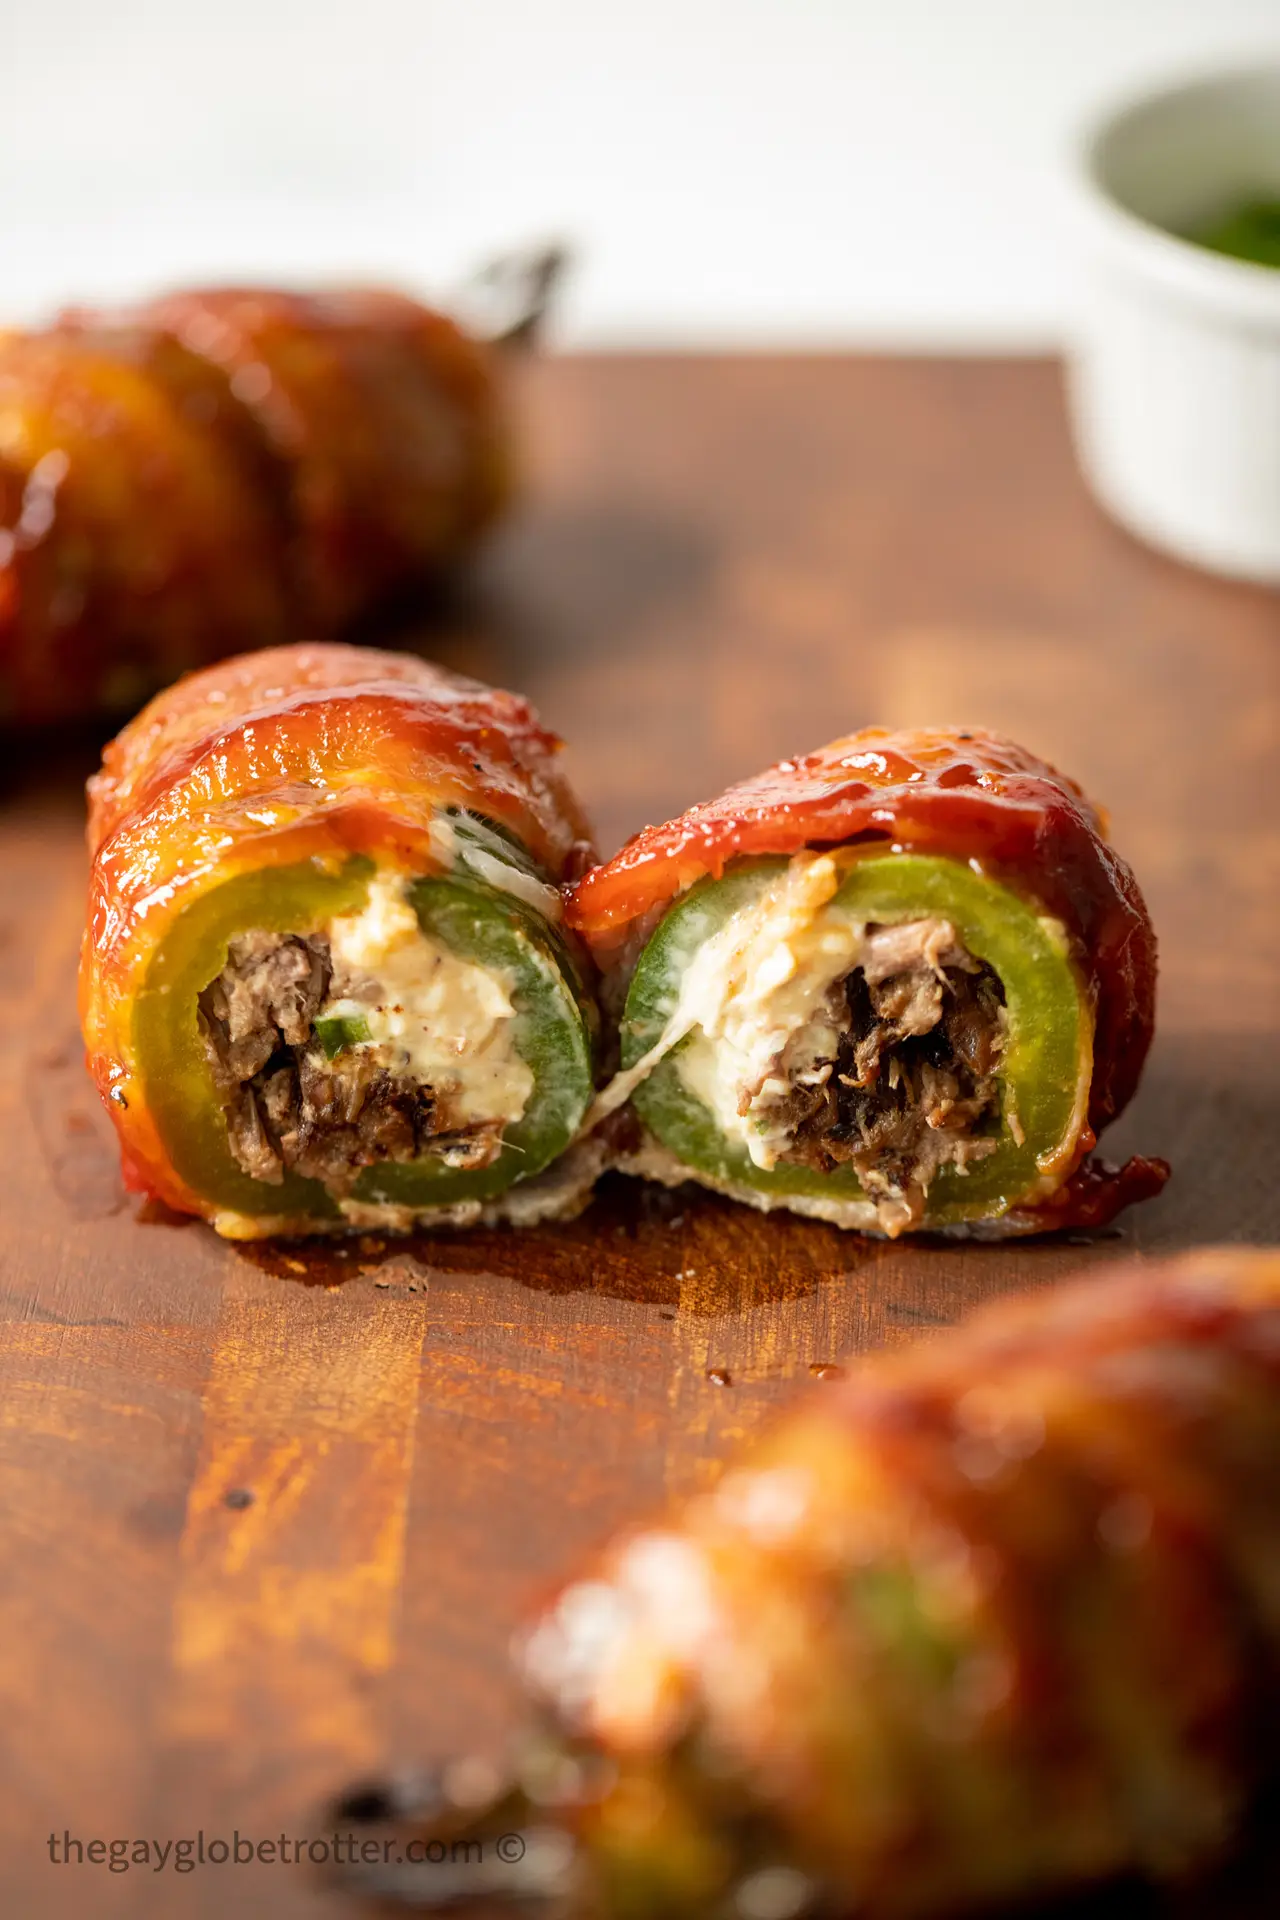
(1250, 231)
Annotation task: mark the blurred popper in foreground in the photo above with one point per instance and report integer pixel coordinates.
(995, 1618)
(900, 983)
(228, 469)
(324, 981)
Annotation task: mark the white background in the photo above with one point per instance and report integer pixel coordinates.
(729, 171)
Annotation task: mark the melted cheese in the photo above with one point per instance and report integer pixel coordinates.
(502, 875)
(447, 1022)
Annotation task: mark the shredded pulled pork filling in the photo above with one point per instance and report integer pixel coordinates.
(897, 1076)
(288, 1107)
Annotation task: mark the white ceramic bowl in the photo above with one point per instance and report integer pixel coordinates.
(1175, 366)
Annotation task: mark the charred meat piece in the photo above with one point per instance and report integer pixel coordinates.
(913, 1082)
(266, 997)
(290, 1108)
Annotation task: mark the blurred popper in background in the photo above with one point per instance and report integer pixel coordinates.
(232, 468)
(993, 1619)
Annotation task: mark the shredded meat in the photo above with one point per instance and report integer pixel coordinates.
(266, 997)
(290, 1108)
(912, 1086)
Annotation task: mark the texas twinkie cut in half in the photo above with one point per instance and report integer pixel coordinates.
(324, 981)
(900, 983)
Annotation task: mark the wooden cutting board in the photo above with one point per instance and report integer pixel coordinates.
(722, 561)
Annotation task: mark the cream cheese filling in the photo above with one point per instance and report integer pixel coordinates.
(428, 1012)
(756, 992)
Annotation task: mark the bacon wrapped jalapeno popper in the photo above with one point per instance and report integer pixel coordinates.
(900, 983)
(993, 1618)
(226, 469)
(324, 980)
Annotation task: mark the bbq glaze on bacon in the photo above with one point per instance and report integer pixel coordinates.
(228, 469)
(902, 982)
(324, 981)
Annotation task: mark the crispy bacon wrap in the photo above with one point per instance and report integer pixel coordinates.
(324, 979)
(991, 909)
(224, 469)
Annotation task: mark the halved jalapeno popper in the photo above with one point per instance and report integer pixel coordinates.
(900, 983)
(324, 981)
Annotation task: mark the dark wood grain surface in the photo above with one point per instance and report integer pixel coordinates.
(722, 561)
